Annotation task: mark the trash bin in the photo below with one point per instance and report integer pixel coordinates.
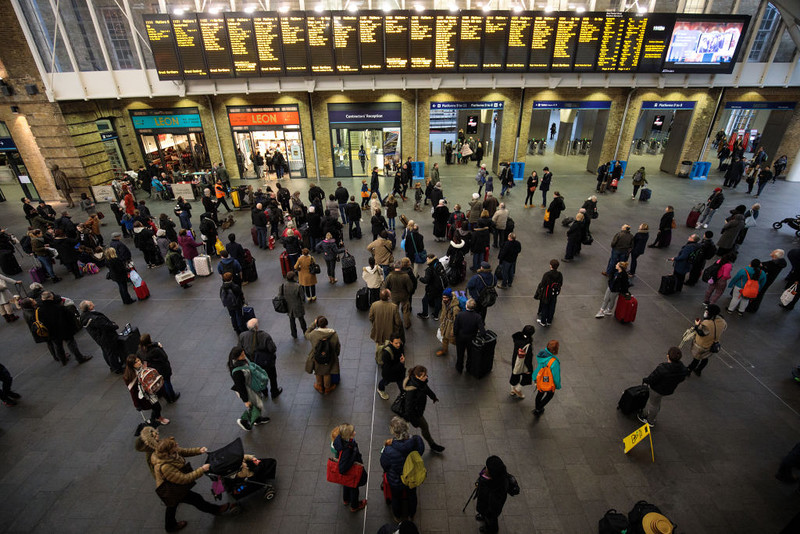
(685, 168)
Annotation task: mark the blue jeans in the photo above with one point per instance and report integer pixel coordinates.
(477, 258)
(508, 271)
(544, 197)
(262, 236)
(391, 223)
(707, 215)
(47, 263)
(343, 213)
(616, 257)
(761, 187)
(503, 190)
(386, 270)
(279, 171)
(190, 265)
(237, 319)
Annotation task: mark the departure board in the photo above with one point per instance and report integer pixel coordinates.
(566, 40)
(190, 46)
(162, 43)
(519, 35)
(446, 52)
(396, 31)
(469, 43)
(370, 41)
(320, 44)
(300, 43)
(542, 43)
(216, 45)
(345, 43)
(241, 37)
(268, 43)
(495, 36)
(421, 39)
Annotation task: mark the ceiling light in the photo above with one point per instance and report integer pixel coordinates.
(179, 11)
(453, 8)
(214, 10)
(352, 8)
(419, 8)
(250, 9)
(386, 8)
(284, 8)
(517, 9)
(320, 8)
(580, 9)
(641, 9)
(548, 9)
(485, 8)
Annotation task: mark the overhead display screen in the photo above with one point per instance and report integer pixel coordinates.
(299, 43)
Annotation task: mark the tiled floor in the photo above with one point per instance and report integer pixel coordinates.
(68, 463)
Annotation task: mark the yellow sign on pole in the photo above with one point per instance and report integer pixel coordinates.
(637, 437)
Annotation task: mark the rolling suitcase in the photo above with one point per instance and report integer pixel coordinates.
(349, 274)
(613, 522)
(202, 264)
(285, 267)
(271, 242)
(249, 271)
(248, 313)
(668, 284)
(129, 340)
(8, 263)
(142, 292)
(645, 194)
(480, 354)
(633, 399)
(694, 215)
(38, 274)
(362, 299)
(254, 235)
(626, 308)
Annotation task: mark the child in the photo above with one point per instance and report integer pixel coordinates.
(418, 197)
(364, 195)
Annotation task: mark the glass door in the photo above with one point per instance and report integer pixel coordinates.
(293, 150)
(391, 148)
(340, 142)
(244, 146)
(152, 155)
(14, 172)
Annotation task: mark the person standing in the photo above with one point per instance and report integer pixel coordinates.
(352, 213)
(547, 178)
(142, 399)
(436, 281)
(713, 203)
(662, 381)
(638, 181)
(621, 246)
(554, 211)
(665, 225)
(385, 319)
(530, 188)
(345, 448)
(718, 283)
(499, 221)
(375, 184)
(8, 396)
(260, 348)
(61, 328)
(295, 301)
(330, 250)
(741, 286)
(507, 258)
(156, 358)
(447, 318)
(618, 284)
(393, 457)
(63, 185)
(682, 263)
(381, 249)
(772, 267)
(491, 493)
(417, 393)
(441, 214)
(480, 241)
(307, 278)
(707, 251)
(392, 363)
(260, 221)
(118, 272)
(232, 298)
(522, 361)
(220, 192)
(401, 287)
(552, 131)
(41, 252)
(104, 332)
(764, 177)
(639, 246)
(734, 173)
(546, 389)
(342, 196)
(323, 359)
(730, 232)
(466, 326)
(575, 235)
(239, 368)
(707, 334)
(373, 277)
(481, 282)
(548, 290)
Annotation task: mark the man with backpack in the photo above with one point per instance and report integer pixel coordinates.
(662, 381)
(682, 263)
(230, 265)
(467, 325)
(481, 287)
(323, 359)
(260, 349)
(436, 281)
(548, 376)
(707, 251)
(712, 205)
(547, 293)
(232, 298)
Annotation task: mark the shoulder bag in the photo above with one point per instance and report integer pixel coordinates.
(314, 267)
(172, 494)
(350, 479)
(419, 257)
(715, 346)
(279, 302)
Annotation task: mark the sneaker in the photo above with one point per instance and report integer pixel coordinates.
(244, 424)
(599, 315)
(437, 448)
(537, 412)
(163, 420)
(644, 420)
(540, 322)
(422, 315)
(740, 314)
(705, 225)
(435, 317)
(261, 421)
(383, 394)
(361, 506)
(608, 312)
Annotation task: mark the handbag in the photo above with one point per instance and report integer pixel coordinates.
(314, 268)
(419, 257)
(532, 189)
(547, 216)
(715, 346)
(218, 246)
(279, 302)
(788, 296)
(172, 494)
(399, 405)
(135, 277)
(673, 224)
(350, 479)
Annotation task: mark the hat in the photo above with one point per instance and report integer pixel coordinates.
(447, 292)
(654, 523)
(717, 190)
(485, 265)
(475, 195)
(115, 235)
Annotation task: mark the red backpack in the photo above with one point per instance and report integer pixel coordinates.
(750, 289)
(544, 378)
(151, 380)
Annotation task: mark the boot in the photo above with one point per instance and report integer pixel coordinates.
(7, 317)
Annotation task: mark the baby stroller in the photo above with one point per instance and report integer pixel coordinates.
(226, 464)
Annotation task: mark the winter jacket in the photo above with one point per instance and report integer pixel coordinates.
(492, 491)
(303, 267)
(237, 300)
(576, 231)
(709, 331)
(542, 358)
(348, 454)
(467, 325)
(381, 250)
(372, 276)
(666, 377)
(392, 369)
(509, 251)
(378, 223)
(341, 194)
(480, 239)
(666, 221)
(549, 278)
(447, 319)
(525, 378)
(315, 336)
(170, 467)
(640, 239)
(500, 218)
(556, 207)
(417, 393)
(400, 286)
(157, 359)
(394, 455)
(122, 250)
(102, 329)
(475, 209)
(730, 231)
(619, 282)
(434, 273)
(715, 200)
(623, 241)
(229, 265)
(683, 263)
(189, 247)
(385, 320)
(295, 299)
(478, 282)
(741, 277)
(414, 243)
(58, 319)
(329, 249)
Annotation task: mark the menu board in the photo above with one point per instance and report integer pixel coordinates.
(216, 45)
(421, 38)
(268, 44)
(396, 31)
(370, 41)
(243, 45)
(345, 43)
(162, 44)
(320, 41)
(294, 39)
(190, 46)
(339, 42)
(445, 51)
(469, 43)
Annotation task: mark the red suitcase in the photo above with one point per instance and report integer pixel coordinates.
(626, 308)
(691, 220)
(254, 235)
(285, 267)
(142, 292)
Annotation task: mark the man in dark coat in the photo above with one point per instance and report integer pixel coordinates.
(123, 252)
(352, 214)
(556, 207)
(60, 324)
(260, 221)
(261, 349)
(435, 280)
(547, 293)
(467, 325)
(707, 251)
(295, 300)
(62, 184)
(491, 494)
(104, 331)
(682, 263)
(663, 381)
(393, 368)
(342, 195)
(507, 257)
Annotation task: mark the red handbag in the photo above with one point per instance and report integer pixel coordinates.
(350, 479)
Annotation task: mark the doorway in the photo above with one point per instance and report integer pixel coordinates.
(356, 151)
(176, 152)
(659, 136)
(454, 124)
(287, 141)
(14, 177)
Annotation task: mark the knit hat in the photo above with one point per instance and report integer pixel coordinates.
(654, 523)
(447, 292)
(718, 189)
(485, 265)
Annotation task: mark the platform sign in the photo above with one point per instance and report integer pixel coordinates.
(637, 437)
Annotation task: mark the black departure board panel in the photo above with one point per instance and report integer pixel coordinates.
(162, 44)
(300, 43)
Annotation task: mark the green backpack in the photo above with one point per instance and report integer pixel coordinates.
(414, 472)
(379, 352)
(258, 376)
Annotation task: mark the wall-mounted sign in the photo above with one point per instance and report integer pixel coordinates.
(760, 105)
(388, 112)
(572, 104)
(668, 104)
(467, 105)
(155, 119)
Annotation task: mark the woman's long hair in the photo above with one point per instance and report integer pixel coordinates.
(129, 375)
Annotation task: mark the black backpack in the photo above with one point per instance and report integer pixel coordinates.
(712, 271)
(613, 522)
(509, 225)
(636, 515)
(228, 297)
(552, 290)
(488, 295)
(441, 276)
(513, 485)
(323, 352)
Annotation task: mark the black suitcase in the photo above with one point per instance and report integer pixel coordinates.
(480, 354)
(645, 194)
(8, 263)
(130, 342)
(349, 274)
(362, 299)
(613, 522)
(249, 272)
(633, 399)
(668, 284)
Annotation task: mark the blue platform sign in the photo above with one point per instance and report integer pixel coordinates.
(6, 143)
(761, 105)
(668, 104)
(572, 104)
(467, 105)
